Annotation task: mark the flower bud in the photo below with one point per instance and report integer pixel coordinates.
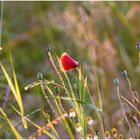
(124, 73)
(138, 47)
(48, 47)
(40, 76)
(116, 82)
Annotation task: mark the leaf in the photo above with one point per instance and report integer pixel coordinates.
(94, 107)
(90, 105)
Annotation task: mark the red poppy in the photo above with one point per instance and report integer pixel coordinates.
(67, 63)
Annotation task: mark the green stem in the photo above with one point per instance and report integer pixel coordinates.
(61, 113)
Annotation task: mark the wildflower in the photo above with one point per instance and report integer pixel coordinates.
(95, 137)
(114, 132)
(89, 136)
(120, 136)
(107, 135)
(90, 121)
(78, 127)
(72, 113)
(67, 63)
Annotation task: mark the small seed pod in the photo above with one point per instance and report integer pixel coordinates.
(78, 127)
(72, 113)
(107, 134)
(114, 132)
(40, 76)
(138, 47)
(116, 82)
(124, 73)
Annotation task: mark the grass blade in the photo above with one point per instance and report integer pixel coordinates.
(15, 92)
(18, 95)
(17, 135)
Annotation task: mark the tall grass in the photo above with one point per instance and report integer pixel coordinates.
(78, 112)
(75, 118)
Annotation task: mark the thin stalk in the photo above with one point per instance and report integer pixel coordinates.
(28, 115)
(47, 99)
(57, 71)
(130, 104)
(34, 124)
(100, 100)
(118, 93)
(61, 113)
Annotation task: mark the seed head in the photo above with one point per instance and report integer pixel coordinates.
(48, 47)
(40, 76)
(138, 47)
(124, 73)
(116, 82)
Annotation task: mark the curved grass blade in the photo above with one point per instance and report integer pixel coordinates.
(15, 91)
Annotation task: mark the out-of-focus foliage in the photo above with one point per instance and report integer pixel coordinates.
(106, 32)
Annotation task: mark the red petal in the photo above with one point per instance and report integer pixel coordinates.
(67, 62)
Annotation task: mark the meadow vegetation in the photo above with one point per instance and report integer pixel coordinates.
(70, 70)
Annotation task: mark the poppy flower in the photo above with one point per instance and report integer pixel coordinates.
(67, 63)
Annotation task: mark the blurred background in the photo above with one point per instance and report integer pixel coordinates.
(106, 32)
